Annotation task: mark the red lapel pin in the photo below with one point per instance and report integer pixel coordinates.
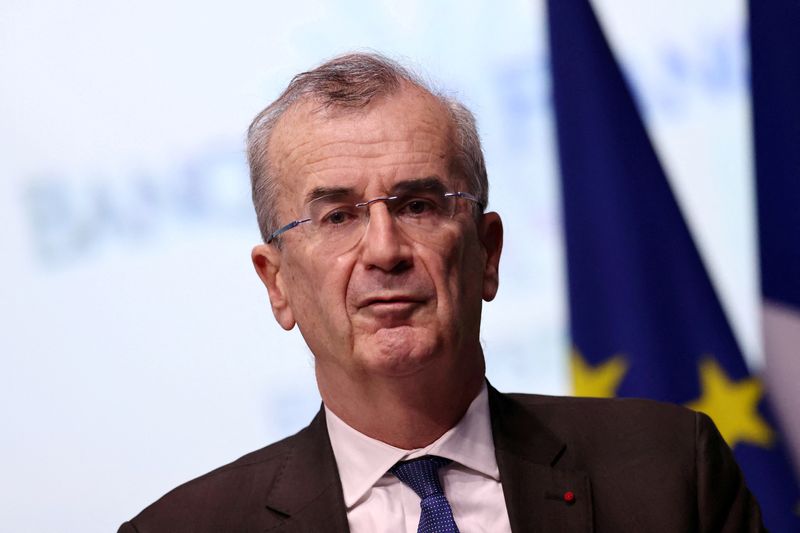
(569, 497)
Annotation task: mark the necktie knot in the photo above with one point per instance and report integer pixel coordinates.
(422, 476)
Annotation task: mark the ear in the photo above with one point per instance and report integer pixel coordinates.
(267, 261)
(491, 235)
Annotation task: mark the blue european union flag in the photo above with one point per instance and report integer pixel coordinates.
(644, 316)
(775, 75)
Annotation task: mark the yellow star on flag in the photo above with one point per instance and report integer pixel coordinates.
(732, 405)
(599, 381)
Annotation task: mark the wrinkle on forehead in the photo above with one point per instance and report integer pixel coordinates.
(406, 128)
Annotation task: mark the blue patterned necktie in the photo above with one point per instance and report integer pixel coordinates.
(422, 475)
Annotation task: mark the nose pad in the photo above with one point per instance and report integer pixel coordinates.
(379, 220)
(385, 215)
(383, 245)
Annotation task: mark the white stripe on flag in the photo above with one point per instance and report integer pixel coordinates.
(782, 370)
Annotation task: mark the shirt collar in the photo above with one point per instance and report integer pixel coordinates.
(362, 460)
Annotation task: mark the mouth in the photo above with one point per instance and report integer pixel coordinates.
(394, 306)
(390, 301)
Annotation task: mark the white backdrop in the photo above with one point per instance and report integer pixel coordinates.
(137, 345)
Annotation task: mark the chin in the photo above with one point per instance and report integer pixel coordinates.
(400, 351)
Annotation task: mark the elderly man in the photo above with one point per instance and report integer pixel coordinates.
(370, 191)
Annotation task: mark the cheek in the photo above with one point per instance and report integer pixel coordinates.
(464, 267)
(448, 271)
(318, 290)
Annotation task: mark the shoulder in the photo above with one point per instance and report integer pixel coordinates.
(652, 465)
(617, 412)
(607, 430)
(264, 462)
(219, 499)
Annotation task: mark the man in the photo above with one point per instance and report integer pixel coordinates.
(370, 192)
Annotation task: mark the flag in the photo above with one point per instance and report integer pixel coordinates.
(775, 82)
(644, 317)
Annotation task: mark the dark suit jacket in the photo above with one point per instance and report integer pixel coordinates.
(632, 465)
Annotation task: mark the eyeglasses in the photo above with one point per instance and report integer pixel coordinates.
(339, 224)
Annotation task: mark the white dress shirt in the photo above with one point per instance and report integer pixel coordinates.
(378, 502)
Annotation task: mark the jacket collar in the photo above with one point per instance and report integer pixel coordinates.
(534, 473)
(307, 487)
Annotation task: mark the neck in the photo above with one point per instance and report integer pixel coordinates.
(407, 412)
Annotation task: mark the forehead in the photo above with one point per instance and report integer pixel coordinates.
(400, 136)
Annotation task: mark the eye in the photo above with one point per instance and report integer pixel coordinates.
(417, 207)
(338, 217)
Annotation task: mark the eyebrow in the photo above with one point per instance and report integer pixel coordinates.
(429, 183)
(329, 192)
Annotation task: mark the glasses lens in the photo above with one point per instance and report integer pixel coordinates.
(422, 210)
(335, 220)
(338, 223)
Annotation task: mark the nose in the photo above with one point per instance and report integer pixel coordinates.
(384, 246)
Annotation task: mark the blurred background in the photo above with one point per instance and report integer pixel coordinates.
(137, 345)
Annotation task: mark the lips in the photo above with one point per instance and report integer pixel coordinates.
(390, 310)
(373, 292)
(390, 300)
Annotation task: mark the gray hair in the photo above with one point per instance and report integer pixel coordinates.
(351, 82)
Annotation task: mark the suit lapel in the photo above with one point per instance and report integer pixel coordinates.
(536, 485)
(307, 493)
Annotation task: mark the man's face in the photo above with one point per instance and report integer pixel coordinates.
(390, 305)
